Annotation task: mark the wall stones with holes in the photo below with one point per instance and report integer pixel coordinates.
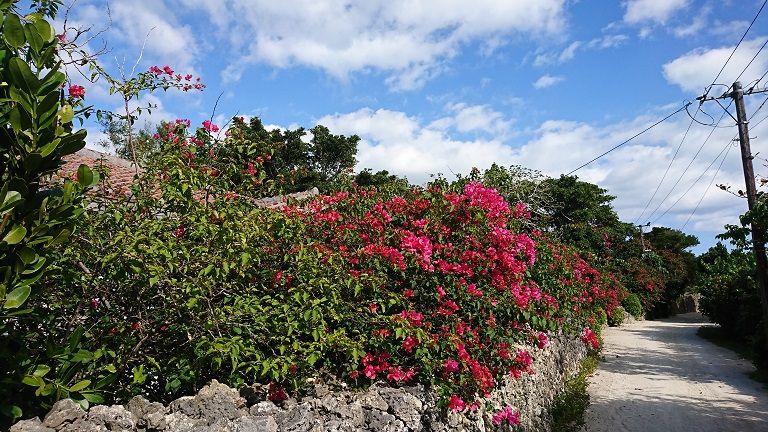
(218, 408)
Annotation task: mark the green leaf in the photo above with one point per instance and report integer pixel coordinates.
(41, 370)
(93, 397)
(16, 235)
(23, 75)
(74, 338)
(80, 385)
(16, 297)
(66, 113)
(9, 201)
(12, 411)
(86, 177)
(13, 31)
(34, 381)
(33, 37)
(44, 29)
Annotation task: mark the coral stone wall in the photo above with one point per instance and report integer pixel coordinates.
(218, 408)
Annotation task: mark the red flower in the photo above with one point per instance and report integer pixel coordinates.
(250, 169)
(507, 414)
(179, 232)
(168, 70)
(77, 91)
(456, 403)
(543, 340)
(276, 393)
(135, 326)
(210, 127)
(409, 343)
(450, 365)
(61, 37)
(94, 303)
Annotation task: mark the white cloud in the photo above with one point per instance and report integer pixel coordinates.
(695, 70)
(408, 40)
(401, 144)
(465, 118)
(696, 26)
(658, 11)
(415, 147)
(546, 81)
(608, 41)
(569, 52)
(141, 28)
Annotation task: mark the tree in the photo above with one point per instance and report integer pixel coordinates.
(36, 216)
(580, 213)
(117, 131)
(301, 164)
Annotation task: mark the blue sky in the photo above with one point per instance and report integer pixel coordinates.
(440, 86)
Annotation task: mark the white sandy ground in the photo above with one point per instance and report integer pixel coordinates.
(659, 376)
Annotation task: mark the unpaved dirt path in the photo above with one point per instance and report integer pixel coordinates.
(660, 376)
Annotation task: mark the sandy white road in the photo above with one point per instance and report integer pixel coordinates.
(659, 376)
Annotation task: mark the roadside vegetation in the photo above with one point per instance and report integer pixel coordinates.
(158, 289)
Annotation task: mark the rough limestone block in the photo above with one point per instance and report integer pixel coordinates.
(63, 411)
(31, 425)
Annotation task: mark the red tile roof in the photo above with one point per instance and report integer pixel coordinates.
(119, 172)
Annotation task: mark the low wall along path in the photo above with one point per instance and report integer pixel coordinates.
(218, 408)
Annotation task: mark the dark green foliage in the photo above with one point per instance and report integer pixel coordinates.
(569, 407)
(632, 305)
(36, 216)
(729, 292)
(581, 214)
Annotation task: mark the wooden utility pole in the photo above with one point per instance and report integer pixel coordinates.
(642, 238)
(758, 241)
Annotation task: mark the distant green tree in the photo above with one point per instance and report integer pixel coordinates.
(580, 213)
(318, 162)
(117, 139)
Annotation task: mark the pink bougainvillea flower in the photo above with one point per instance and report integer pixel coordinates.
(209, 126)
(77, 91)
(588, 336)
(61, 37)
(508, 415)
(179, 232)
(250, 169)
(450, 365)
(456, 403)
(409, 343)
(168, 70)
(543, 340)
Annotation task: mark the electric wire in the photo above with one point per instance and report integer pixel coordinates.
(753, 59)
(737, 45)
(690, 164)
(706, 191)
(757, 82)
(664, 177)
(632, 137)
(694, 183)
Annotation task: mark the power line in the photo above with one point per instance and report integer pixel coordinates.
(633, 137)
(706, 190)
(693, 159)
(737, 45)
(664, 177)
(692, 184)
(757, 82)
(753, 59)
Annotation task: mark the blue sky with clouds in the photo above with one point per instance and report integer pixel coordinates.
(444, 85)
